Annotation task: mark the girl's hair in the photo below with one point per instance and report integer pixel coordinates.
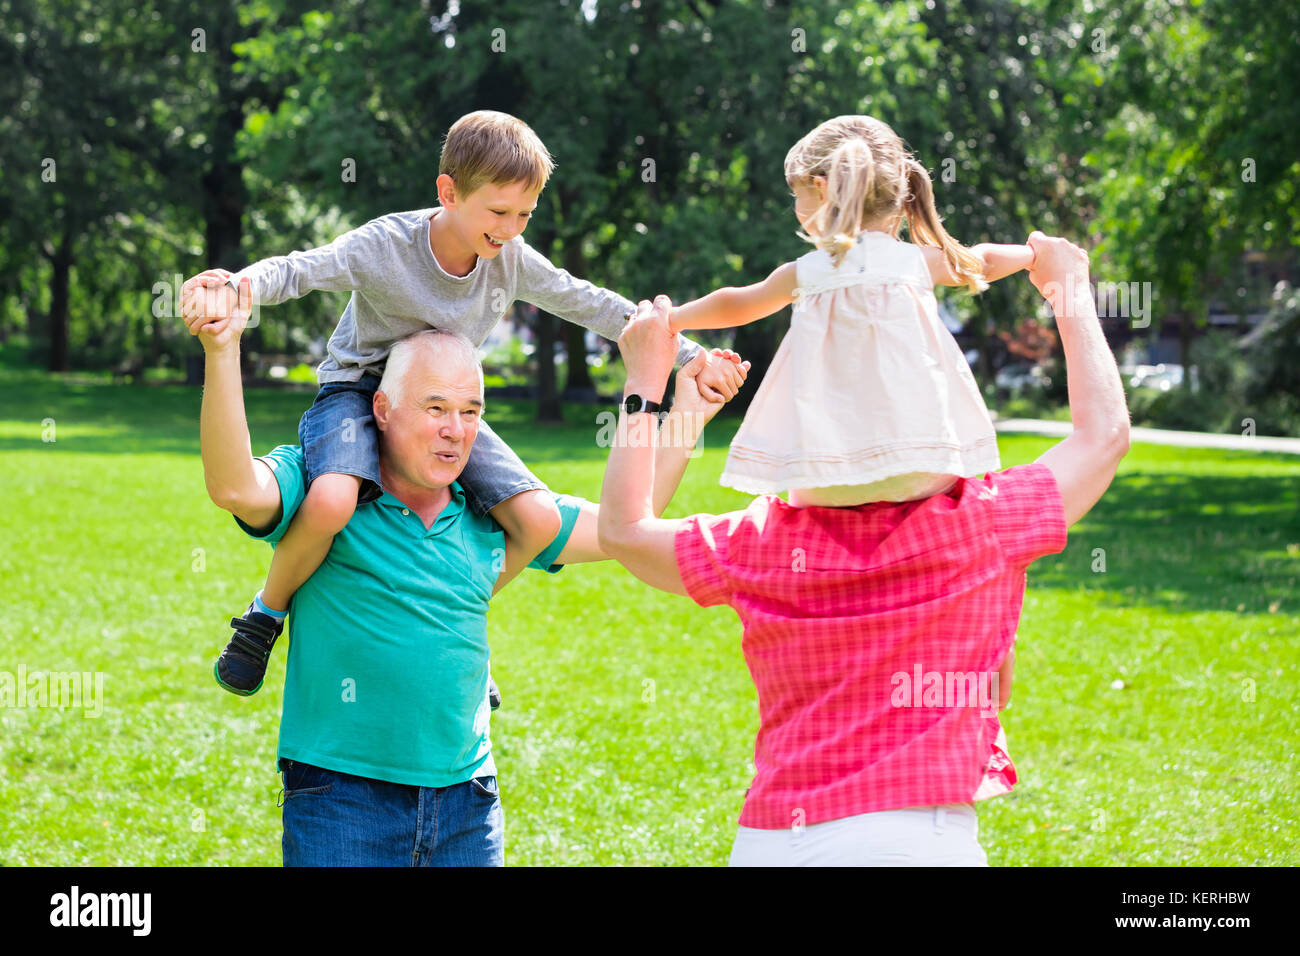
(871, 180)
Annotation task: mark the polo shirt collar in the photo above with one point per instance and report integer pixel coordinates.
(450, 513)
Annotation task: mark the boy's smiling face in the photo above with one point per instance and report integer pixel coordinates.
(489, 217)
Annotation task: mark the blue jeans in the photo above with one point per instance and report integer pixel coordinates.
(338, 435)
(337, 819)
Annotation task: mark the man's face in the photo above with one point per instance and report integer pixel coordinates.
(491, 215)
(428, 432)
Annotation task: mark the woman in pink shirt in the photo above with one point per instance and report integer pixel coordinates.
(874, 633)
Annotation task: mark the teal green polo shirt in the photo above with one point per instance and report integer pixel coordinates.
(387, 674)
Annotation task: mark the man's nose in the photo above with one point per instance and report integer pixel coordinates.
(454, 428)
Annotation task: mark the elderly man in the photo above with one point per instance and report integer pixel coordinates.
(384, 746)
(839, 604)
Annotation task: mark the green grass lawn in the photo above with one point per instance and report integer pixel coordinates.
(628, 722)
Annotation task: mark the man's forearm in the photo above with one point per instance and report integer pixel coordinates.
(1097, 406)
(223, 430)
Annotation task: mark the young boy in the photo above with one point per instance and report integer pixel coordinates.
(458, 267)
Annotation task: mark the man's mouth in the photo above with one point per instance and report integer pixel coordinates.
(494, 243)
(448, 456)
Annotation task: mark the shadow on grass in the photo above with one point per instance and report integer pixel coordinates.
(1187, 543)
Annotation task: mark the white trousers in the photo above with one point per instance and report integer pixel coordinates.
(915, 836)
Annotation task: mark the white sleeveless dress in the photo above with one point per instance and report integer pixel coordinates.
(869, 397)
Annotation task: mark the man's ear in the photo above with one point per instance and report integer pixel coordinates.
(446, 191)
(381, 409)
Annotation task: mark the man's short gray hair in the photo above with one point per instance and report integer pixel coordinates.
(434, 342)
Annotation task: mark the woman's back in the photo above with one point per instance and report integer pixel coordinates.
(874, 635)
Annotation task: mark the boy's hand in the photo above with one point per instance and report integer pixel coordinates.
(225, 333)
(207, 299)
(722, 375)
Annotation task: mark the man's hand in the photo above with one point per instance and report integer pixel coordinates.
(648, 349)
(224, 333)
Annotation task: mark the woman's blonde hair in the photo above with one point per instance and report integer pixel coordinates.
(490, 147)
(871, 180)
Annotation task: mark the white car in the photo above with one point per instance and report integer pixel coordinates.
(1162, 376)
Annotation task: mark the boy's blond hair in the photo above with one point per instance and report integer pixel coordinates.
(871, 179)
(490, 147)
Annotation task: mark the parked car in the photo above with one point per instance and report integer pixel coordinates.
(1162, 376)
(1019, 376)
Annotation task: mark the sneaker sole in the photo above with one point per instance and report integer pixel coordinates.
(234, 690)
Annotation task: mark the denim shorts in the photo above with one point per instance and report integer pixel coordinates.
(338, 436)
(338, 819)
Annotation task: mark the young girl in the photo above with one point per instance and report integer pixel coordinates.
(868, 398)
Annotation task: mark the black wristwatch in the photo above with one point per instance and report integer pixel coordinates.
(635, 403)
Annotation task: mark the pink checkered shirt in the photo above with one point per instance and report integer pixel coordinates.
(870, 633)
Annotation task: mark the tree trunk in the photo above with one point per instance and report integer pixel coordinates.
(575, 336)
(61, 261)
(155, 342)
(1185, 346)
(549, 408)
(575, 347)
(224, 195)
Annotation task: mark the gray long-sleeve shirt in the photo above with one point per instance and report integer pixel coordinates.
(398, 288)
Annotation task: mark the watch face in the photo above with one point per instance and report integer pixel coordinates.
(632, 404)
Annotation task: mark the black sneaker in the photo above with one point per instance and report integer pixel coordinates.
(241, 668)
(494, 695)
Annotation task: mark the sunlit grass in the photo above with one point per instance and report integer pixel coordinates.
(1152, 721)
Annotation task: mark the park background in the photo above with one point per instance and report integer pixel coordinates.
(1156, 683)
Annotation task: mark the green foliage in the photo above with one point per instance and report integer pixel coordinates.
(1243, 384)
(1131, 125)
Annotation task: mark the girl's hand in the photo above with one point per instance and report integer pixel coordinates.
(722, 375)
(689, 396)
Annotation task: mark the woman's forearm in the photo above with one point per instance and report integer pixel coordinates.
(676, 447)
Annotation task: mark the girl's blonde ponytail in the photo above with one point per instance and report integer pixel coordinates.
(926, 228)
(850, 176)
(871, 181)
